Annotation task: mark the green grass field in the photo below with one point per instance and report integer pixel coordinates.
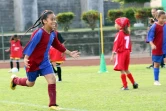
(83, 89)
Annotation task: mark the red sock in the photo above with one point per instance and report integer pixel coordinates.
(124, 82)
(20, 81)
(131, 78)
(52, 94)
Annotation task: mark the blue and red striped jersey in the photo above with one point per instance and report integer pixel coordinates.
(157, 34)
(38, 49)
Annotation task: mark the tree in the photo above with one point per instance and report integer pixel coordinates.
(129, 1)
(90, 18)
(65, 19)
(114, 14)
(122, 2)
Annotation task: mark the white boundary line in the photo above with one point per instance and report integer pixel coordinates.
(37, 106)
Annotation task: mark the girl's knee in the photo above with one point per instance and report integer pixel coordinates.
(52, 81)
(122, 72)
(30, 84)
(50, 78)
(127, 72)
(156, 65)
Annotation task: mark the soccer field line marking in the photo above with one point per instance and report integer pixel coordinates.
(37, 106)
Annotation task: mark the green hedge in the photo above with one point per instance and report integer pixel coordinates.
(140, 14)
(129, 13)
(130, 1)
(139, 1)
(65, 19)
(91, 17)
(132, 13)
(113, 14)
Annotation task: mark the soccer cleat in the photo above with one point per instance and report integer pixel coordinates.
(58, 80)
(163, 66)
(135, 86)
(12, 85)
(124, 88)
(54, 107)
(151, 66)
(157, 83)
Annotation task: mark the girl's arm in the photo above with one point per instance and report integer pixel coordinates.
(117, 42)
(60, 38)
(112, 56)
(57, 45)
(73, 54)
(151, 35)
(116, 45)
(152, 45)
(7, 50)
(35, 39)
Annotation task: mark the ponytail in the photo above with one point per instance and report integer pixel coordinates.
(126, 30)
(36, 24)
(39, 21)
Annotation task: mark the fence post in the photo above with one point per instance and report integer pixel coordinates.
(3, 49)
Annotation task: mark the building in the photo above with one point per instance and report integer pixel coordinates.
(19, 15)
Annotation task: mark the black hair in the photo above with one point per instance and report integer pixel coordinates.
(39, 21)
(159, 13)
(15, 36)
(151, 20)
(12, 37)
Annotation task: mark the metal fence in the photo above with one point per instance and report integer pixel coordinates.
(5, 44)
(87, 42)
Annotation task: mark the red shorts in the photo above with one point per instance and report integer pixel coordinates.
(122, 61)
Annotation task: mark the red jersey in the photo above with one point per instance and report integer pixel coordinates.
(122, 42)
(15, 49)
(122, 48)
(56, 56)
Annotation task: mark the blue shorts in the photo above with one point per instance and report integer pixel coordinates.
(158, 59)
(41, 72)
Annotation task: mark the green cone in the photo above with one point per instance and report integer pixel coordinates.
(102, 64)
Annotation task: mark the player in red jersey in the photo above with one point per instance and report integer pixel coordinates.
(36, 58)
(122, 49)
(157, 40)
(57, 56)
(15, 51)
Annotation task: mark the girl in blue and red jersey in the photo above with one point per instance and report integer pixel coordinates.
(36, 58)
(15, 51)
(157, 41)
(122, 49)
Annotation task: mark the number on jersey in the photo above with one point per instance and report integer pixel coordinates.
(127, 41)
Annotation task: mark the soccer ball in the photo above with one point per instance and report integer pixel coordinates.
(14, 70)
